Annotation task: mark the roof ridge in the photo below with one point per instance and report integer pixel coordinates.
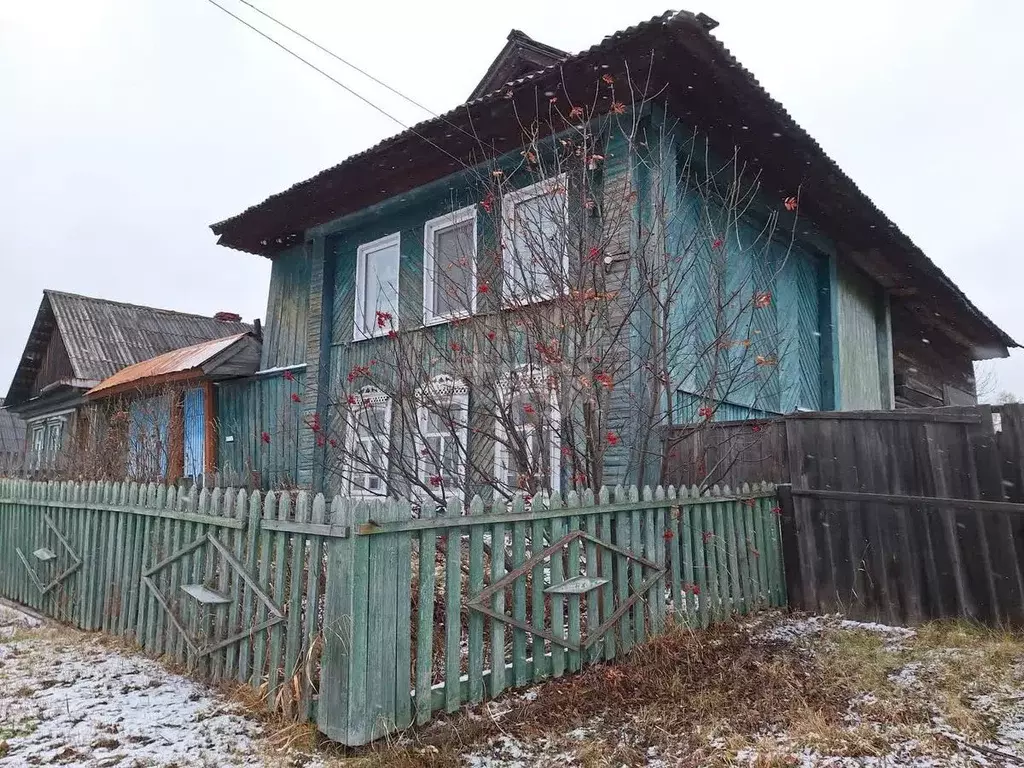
(53, 292)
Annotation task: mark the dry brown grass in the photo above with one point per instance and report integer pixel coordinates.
(676, 694)
(700, 698)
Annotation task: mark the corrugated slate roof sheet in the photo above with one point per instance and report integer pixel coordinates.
(175, 362)
(12, 432)
(102, 336)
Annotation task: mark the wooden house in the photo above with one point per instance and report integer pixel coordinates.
(865, 319)
(78, 342)
(158, 418)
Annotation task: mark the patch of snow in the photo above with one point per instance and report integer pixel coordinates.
(907, 676)
(790, 630)
(69, 699)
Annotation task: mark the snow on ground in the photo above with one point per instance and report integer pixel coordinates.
(70, 699)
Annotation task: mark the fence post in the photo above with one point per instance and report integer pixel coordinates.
(332, 707)
(790, 548)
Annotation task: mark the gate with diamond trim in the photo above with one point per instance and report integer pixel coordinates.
(445, 609)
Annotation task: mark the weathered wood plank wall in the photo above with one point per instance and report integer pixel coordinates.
(905, 516)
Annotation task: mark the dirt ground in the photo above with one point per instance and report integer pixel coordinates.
(776, 691)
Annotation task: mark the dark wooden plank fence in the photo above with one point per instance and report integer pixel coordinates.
(906, 516)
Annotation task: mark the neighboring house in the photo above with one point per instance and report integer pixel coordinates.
(12, 440)
(158, 417)
(76, 342)
(864, 320)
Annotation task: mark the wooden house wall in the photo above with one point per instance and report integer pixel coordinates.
(248, 408)
(930, 369)
(794, 329)
(287, 317)
(863, 343)
(831, 332)
(56, 364)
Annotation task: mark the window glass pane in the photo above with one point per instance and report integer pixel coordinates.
(536, 244)
(380, 292)
(454, 252)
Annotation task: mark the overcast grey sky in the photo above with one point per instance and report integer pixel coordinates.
(128, 126)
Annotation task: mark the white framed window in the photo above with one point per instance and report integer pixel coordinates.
(535, 253)
(47, 439)
(442, 432)
(376, 311)
(449, 266)
(531, 403)
(368, 441)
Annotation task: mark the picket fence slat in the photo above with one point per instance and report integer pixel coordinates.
(476, 619)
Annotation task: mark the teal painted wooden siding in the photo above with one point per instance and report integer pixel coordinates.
(858, 332)
(247, 410)
(788, 330)
(287, 318)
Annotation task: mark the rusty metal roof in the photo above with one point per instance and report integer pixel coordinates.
(176, 364)
(704, 85)
(102, 337)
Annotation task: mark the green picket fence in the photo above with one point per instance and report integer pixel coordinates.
(443, 610)
(367, 617)
(227, 582)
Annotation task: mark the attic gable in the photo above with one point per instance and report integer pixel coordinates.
(520, 56)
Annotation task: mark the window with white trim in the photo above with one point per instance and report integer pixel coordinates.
(533, 448)
(535, 251)
(376, 311)
(367, 444)
(47, 440)
(442, 417)
(449, 266)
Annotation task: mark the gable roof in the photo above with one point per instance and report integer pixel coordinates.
(235, 355)
(101, 337)
(703, 85)
(520, 56)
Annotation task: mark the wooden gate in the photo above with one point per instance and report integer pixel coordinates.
(431, 613)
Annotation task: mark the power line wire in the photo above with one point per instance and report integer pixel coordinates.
(334, 55)
(333, 79)
(356, 67)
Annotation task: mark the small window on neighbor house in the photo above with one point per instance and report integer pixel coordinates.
(449, 266)
(534, 240)
(368, 442)
(442, 432)
(533, 446)
(54, 438)
(38, 445)
(376, 310)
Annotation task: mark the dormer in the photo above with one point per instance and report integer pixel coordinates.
(520, 56)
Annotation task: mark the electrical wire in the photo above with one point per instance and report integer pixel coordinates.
(333, 79)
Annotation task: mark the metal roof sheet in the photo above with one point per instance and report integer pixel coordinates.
(177, 361)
